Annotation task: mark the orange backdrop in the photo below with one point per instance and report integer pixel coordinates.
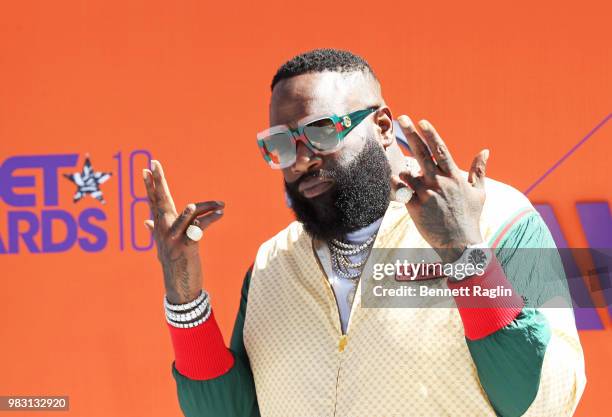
(188, 82)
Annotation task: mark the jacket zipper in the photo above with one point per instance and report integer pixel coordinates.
(343, 340)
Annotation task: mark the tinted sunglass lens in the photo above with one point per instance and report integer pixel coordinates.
(322, 134)
(280, 148)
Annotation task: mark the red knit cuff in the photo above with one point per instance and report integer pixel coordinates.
(200, 352)
(483, 315)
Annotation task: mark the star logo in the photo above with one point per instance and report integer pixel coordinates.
(88, 182)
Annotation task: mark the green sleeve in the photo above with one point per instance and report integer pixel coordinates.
(509, 361)
(231, 394)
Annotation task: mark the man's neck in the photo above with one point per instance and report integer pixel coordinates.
(361, 235)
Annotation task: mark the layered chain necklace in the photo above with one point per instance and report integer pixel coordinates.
(340, 251)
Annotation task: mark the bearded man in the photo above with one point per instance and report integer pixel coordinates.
(303, 342)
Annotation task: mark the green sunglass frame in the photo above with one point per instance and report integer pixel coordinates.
(343, 124)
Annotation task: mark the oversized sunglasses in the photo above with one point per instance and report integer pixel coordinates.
(321, 134)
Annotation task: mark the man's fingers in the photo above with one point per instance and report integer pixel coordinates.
(149, 224)
(148, 180)
(418, 146)
(438, 148)
(162, 192)
(396, 182)
(477, 173)
(181, 222)
(209, 218)
(203, 222)
(190, 212)
(416, 183)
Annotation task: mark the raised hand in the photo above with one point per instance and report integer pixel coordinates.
(178, 254)
(446, 206)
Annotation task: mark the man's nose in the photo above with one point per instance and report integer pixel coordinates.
(305, 160)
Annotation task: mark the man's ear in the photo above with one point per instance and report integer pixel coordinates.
(383, 120)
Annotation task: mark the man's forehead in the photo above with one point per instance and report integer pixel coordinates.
(321, 93)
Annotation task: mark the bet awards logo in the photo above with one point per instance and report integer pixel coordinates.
(34, 220)
(88, 182)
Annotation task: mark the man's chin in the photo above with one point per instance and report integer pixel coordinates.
(359, 195)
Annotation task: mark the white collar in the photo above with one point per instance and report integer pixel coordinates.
(361, 235)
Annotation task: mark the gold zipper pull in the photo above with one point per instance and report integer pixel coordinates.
(342, 343)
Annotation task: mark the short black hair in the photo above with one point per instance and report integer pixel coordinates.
(319, 60)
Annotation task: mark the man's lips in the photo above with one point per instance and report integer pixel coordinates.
(313, 186)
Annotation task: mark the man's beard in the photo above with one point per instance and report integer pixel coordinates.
(360, 195)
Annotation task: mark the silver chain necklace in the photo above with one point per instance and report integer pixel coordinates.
(340, 252)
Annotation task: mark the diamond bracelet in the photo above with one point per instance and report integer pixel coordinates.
(192, 323)
(187, 306)
(190, 315)
(182, 315)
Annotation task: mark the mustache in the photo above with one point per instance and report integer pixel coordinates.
(324, 174)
